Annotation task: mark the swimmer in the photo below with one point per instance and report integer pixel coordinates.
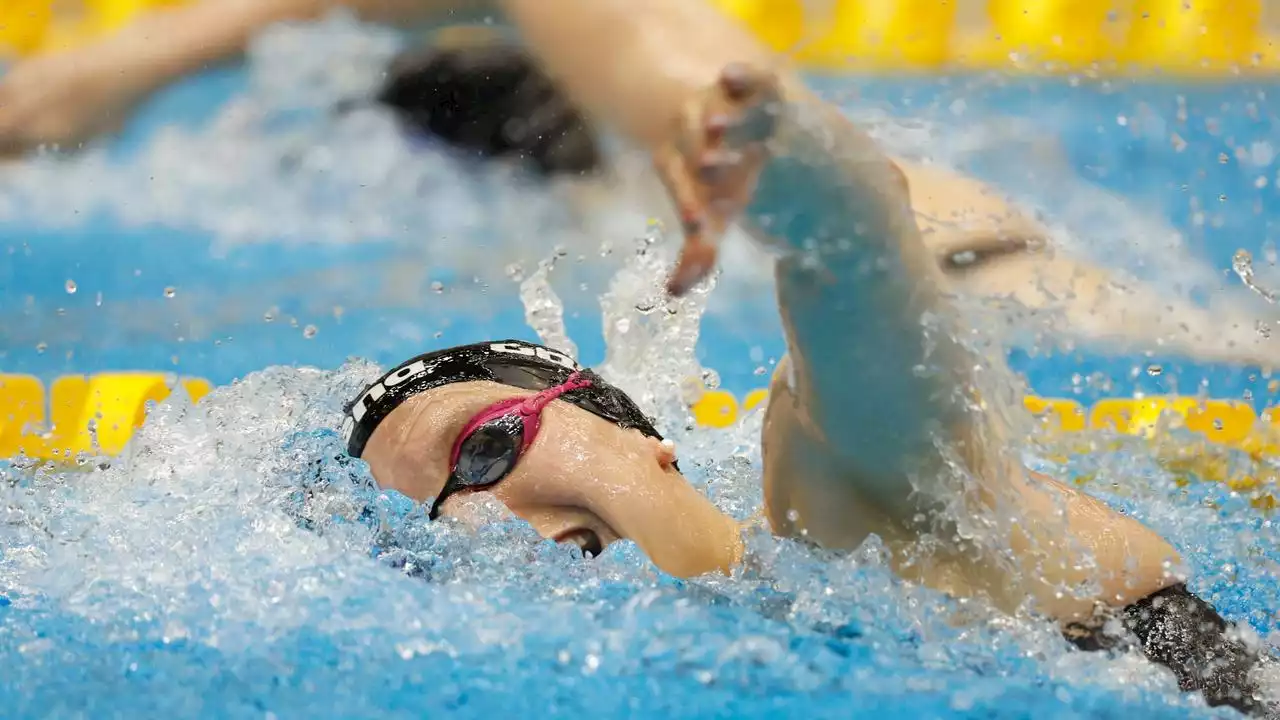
(871, 414)
(472, 84)
(870, 406)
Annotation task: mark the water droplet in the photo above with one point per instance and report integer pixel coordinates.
(268, 316)
(42, 346)
(561, 251)
(437, 286)
(71, 287)
(310, 331)
(1242, 265)
(170, 291)
(515, 272)
(710, 379)
(1155, 370)
(646, 306)
(98, 300)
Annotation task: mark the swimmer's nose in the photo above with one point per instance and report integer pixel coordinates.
(665, 452)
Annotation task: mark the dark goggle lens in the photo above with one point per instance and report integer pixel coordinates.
(489, 452)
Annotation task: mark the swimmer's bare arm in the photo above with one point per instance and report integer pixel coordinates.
(855, 336)
(70, 96)
(875, 375)
(182, 40)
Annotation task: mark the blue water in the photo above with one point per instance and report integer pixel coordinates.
(232, 567)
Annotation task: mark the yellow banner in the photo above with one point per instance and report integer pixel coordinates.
(99, 413)
(1206, 37)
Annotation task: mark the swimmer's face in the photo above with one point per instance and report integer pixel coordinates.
(583, 479)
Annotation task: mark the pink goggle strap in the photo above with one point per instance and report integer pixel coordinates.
(528, 408)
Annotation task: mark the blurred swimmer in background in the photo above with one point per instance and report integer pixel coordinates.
(880, 420)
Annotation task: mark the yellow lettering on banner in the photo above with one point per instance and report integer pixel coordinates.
(1065, 415)
(22, 413)
(1223, 421)
(1072, 32)
(903, 33)
(716, 408)
(1147, 413)
(92, 414)
(1178, 35)
(1116, 414)
(99, 413)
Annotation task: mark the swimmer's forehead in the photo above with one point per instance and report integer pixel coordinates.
(413, 443)
(440, 413)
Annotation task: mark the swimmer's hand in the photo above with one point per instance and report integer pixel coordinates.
(711, 167)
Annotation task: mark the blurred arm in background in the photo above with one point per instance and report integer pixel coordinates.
(68, 97)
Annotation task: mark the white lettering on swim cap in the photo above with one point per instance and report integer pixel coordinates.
(348, 427)
(408, 371)
(511, 348)
(558, 358)
(541, 353)
(370, 396)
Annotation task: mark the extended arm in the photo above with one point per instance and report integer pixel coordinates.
(880, 398)
(854, 329)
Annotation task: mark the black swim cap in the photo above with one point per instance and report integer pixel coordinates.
(510, 362)
(492, 99)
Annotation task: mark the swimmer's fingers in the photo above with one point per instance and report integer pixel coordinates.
(712, 168)
(698, 256)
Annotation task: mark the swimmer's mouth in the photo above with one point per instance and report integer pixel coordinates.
(587, 540)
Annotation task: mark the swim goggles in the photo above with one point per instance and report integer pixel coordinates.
(491, 444)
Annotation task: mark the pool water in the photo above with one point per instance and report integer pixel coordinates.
(234, 564)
